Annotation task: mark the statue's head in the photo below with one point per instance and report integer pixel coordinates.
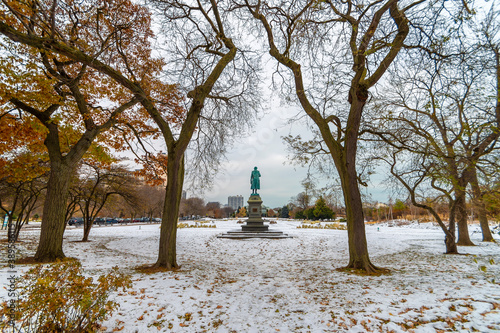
(255, 168)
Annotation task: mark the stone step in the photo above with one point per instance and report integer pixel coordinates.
(250, 232)
(243, 235)
(252, 228)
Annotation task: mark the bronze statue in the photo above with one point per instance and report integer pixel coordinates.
(255, 181)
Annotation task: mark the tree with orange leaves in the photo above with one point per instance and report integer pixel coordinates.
(154, 168)
(73, 101)
(207, 50)
(23, 169)
(23, 180)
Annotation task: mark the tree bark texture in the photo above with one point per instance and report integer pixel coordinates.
(450, 238)
(461, 214)
(168, 235)
(54, 213)
(477, 199)
(56, 201)
(358, 248)
(87, 226)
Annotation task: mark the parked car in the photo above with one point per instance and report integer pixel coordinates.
(75, 221)
(105, 220)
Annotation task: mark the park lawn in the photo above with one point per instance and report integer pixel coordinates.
(292, 285)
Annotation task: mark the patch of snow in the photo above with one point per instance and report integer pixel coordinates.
(291, 285)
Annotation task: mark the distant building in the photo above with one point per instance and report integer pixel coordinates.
(184, 194)
(235, 201)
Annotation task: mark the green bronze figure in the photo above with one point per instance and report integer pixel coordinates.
(255, 180)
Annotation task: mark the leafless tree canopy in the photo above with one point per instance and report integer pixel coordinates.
(192, 47)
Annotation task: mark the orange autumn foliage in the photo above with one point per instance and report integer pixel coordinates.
(154, 168)
(119, 34)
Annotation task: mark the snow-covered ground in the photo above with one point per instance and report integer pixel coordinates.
(292, 285)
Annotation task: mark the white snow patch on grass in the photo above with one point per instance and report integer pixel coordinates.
(290, 285)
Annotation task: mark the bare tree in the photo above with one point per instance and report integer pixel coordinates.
(193, 207)
(447, 109)
(227, 211)
(98, 182)
(207, 50)
(302, 200)
(413, 173)
(334, 49)
(150, 200)
(217, 80)
(18, 199)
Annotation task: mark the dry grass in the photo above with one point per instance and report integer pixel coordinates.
(32, 261)
(152, 269)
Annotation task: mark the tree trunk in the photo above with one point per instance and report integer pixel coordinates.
(87, 226)
(451, 245)
(450, 239)
(14, 228)
(358, 249)
(175, 178)
(461, 214)
(477, 199)
(54, 213)
(11, 229)
(17, 229)
(88, 221)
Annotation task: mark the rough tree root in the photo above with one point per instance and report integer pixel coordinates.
(155, 268)
(364, 269)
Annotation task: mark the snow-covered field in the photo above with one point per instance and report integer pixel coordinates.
(292, 285)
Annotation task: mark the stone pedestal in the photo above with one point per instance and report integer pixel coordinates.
(255, 223)
(255, 227)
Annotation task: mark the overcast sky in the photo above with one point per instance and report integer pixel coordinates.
(264, 149)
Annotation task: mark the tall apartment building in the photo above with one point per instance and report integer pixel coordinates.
(235, 201)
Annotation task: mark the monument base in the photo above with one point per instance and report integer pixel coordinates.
(255, 227)
(237, 234)
(255, 223)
